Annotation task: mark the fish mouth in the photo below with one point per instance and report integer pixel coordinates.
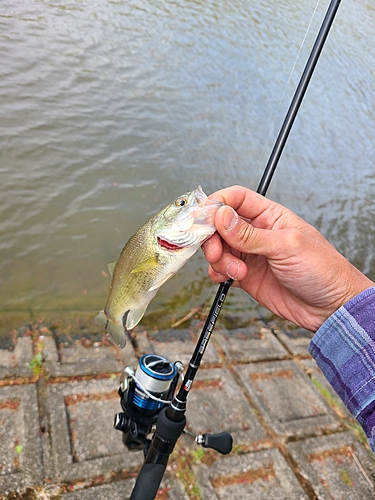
(171, 247)
(205, 214)
(203, 201)
(200, 196)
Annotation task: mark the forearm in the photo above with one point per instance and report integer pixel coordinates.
(344, 349)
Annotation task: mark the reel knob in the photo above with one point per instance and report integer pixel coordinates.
(222, 442)
(121, 422)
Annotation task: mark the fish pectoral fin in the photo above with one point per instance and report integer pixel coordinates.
(111, 267)
(160, 282)
(134, 316)
(146, 265)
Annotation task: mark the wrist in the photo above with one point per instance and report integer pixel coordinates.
(353, 289)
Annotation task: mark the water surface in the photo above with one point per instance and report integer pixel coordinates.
(111, 109)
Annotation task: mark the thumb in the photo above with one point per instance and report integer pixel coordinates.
(242, 236)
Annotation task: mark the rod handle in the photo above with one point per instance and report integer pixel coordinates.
(148, 482)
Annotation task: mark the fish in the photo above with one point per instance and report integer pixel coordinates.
(152, 256)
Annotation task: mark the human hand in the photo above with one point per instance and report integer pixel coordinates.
(279, 259)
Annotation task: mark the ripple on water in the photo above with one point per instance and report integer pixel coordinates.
(112, 109)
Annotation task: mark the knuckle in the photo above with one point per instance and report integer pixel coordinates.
(293, 240)
(245, 233)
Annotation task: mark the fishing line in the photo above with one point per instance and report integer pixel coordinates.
(128, 373)
(204, 311)
(262, 153)
(298, 97)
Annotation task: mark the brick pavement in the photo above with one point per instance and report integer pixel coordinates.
(292, 438)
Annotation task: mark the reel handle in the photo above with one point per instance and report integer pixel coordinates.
(222, 442)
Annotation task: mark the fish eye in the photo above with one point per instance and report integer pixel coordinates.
(180, 202)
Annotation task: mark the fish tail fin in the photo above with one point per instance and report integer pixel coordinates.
(101, 319)
(116, 332)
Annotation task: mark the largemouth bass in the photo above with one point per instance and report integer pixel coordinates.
(152, 256)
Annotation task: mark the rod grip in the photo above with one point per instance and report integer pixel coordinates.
(148, 482)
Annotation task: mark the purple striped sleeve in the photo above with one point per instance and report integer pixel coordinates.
(344, 349)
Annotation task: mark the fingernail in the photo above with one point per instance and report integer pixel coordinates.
(233, 269)
(230, 218)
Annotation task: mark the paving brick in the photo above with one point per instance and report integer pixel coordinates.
(216, 404)
(16, 362)
(112, 491)
(296, 339)
(244, 440)
(76, 359)
(20, 446)
(287, 399)
(262, 475)
(171, 488)
(72, 440)
(250, 344)
(243, 311)
(315, 375)
(83, 441)
(337, 466)
(179, 345)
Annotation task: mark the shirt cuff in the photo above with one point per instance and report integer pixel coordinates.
(344, 349)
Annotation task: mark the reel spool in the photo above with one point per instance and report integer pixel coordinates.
(149, 388)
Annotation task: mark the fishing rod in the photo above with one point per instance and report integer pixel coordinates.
(145, 394)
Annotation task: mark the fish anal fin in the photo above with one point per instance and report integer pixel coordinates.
(111, 267)
(146, 265)
(115, 331)
(133, 317)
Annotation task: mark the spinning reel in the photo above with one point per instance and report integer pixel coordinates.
(144, 394)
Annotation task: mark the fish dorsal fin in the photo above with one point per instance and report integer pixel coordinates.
(111, 267)
(134, 316)
(146, 265)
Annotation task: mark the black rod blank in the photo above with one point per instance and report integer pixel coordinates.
(297, 98)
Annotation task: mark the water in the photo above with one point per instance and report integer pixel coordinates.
(111, 109)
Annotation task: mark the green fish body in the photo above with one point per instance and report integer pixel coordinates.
(152, 256)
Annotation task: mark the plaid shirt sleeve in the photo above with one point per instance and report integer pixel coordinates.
(344, 349)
